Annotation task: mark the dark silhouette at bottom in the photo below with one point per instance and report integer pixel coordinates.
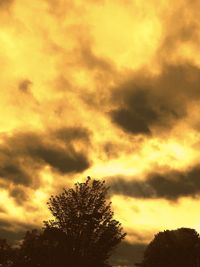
(82, 233)
(175, 248)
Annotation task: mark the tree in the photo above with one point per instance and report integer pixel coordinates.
(42, 249)
(173, 249)
(28, 253)
(6, 253)
(85, 218)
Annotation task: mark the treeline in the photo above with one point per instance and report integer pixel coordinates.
(84, 233)
(81, 233)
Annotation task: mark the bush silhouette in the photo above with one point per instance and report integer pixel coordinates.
(6, 253)
(175, 248)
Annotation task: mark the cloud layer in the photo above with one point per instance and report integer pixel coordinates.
(24, 154)
(162, 100)
(171, 185)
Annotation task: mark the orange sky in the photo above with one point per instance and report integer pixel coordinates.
(103, 88)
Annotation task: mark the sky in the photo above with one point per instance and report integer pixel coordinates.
(107, 89)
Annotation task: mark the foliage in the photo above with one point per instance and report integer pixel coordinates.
(173, 248)
(82, 233)
(6, 253)
(85, 218)
(42, 249)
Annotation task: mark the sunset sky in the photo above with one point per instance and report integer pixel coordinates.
(105, 88)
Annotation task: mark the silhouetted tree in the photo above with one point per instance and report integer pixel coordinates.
(175, 248)
(88, 232)
(6, 253)
(26, 254)
(42, 249)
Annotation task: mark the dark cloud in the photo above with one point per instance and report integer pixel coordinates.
(62, 160)
(11, 235)
(144, 103)
(75, 133)
(134, 121)
(25, 85)
(5, 3)
(14, 231)
(19, 194)
(15, 172)
(111, 150)
(93, 62)
(22, 155)
(133, 188)
(128, 254)
(171, 186)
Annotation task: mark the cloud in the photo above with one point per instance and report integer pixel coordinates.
(24, 154)
(12, 170)
(61, 160)
(128, 254)
(19, 194)
(171, 185)
(5, 3)
(180, 31)
(148, 102)
(66, 134)
(91, 61)
(13, 231)
(25, 85)
(62, 72)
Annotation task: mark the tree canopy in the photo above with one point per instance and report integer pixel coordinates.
(6, 253)
(82, 232)
(173, 248)
(85, 218)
